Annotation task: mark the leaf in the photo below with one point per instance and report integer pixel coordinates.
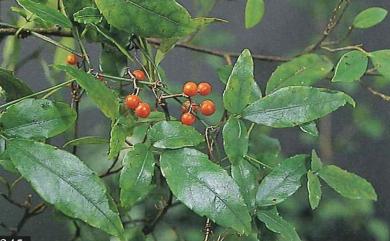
(295, 105)
(205, 188)
(381, 61)
(173, 135)
(316, 163)
(314, 189)
(37, 118)
(136, 175)
(235, 139)
(245, 176)
(310, 128)
(45, 13)
(254, 12)
(62, 180)
(283, 181)
(88, 15)
(148, 18)
(351, 67)
(236, 95)
(369, 17)
(274, 222)
(103, 97)
(347, 184)
(301, 71)
(122, 128)
(11, 52)
(112, 61)
(86, 140)
(14, 87)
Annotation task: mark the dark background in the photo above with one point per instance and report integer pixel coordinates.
(287, 28)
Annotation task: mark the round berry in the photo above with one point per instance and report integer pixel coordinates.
(71, 59)
(207, 107)
(132, 101)
(100, 77)
(186, 106)
(139, 75)
(188, 119)
(204, 88)
(142, 110)
(190, 89)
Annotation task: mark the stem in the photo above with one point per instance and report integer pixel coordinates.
(55, 43)
(249, 158)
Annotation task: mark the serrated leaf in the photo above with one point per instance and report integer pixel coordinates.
(62, 180)
(369, 17)
(121, 128)
(295, 105)
(254, 12)
(205, 188)
(88, 15)
(103, 97)
(173, 135)
(310, 128)
(301, 71)
(347, 184)
(37, 118)
(13, 87)
(86, 140)
(274, 222)
(351, 67)
(314, 190)
(136, 175)
(282, 182)
(316, 163)
(235, 139)
(45, 13)
(236, 95)
(381, 61)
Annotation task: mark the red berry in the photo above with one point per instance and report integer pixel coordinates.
(132, 101)
(139, 75)
(188, 119)
(190, 89)
(100, 77)
(71, 59)
(204, 88)
(186, 106)
(142, 110)
(207, 107)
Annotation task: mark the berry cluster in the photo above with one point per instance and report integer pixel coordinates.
(134, 102)
(207, 107)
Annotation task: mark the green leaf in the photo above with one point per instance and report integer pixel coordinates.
(283, 181)
(205, 188)
(236, 95)
(37, 118)
(148, 18)
(235, 139)
(295, 105)
(88, 15)
(173, 135)
(112, 61)
(314, 189)
(304, 70)
(73, 6)
(254, 12)
(245, 176)
(369, 17)
(122, 128)
(86, 140)
(11, 52)
(316, 163)
(136, 175)
(45, 13)
(14, 87)
(274, 222)
(62, 180)
(381, 61)
(103, 97)
(347, 184)
(351, 67)
(310, 128)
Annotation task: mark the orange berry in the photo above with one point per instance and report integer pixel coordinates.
(142, 110)
(188, 119)
(71, 59)
(186, 106)
(139, 75)
(190, 89)
(132, 101)
(207, 107)
(204, 88)
(100, 77)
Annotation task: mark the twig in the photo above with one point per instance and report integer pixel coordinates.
(149, 228)
(381, 95)
(208, 229)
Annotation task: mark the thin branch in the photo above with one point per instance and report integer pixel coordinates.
(381, 95)
(149, 228)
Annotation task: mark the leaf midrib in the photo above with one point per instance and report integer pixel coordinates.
(145, 9)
